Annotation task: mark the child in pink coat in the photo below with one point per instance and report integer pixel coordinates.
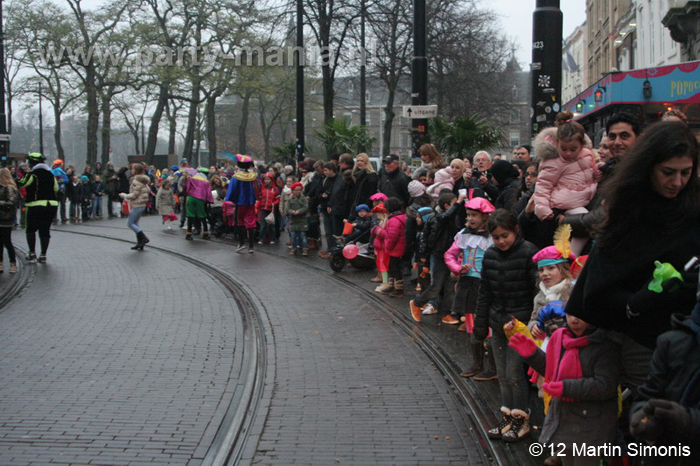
(395, 244)
(567, 177)
(443, 180)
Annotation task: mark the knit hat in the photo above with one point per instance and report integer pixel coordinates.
(304, 165)
(57, 163)
(362, 207)
(202, 169)
(297, 185)
(502, 171)
(480, 205)
(174, 168)
(551, 256)
(380, 209)
(415, 188)
(84, 178)
(378, 197)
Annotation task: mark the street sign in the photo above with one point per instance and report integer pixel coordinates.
(420, 111)
(4, 137)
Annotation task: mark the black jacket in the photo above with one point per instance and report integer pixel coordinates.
(40, 185)
(674, 363)
(313, 192)
(507, 286)
(394, 184)
(8, 206)
(74, 193)
(365, 186)
(438, 233)
(612, 293)
(334, 188)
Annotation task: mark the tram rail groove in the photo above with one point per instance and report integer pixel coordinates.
(233, 433)
(22, 279)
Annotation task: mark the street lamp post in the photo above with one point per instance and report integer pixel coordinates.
(419, 75)
(546, 63)
(4, 137)
(300, 81)
(41, 124)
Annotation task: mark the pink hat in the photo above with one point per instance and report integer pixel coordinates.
(550, 256)
(243, 158)
(480, 205)
(378, 197)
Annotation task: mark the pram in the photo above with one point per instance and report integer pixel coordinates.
(365, 259)
(223, 221)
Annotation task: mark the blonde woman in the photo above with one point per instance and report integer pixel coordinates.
(8, 210)
(366, 181)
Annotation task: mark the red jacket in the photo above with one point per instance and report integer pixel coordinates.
(269, 197)
(395, 242)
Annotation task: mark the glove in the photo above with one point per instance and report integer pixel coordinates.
(643, 424)
(523, 345)
(556, 389)
(673, 418)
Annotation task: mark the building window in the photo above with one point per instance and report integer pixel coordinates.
(514, 116)
(348, 118)
(405, 140)
(514, 137)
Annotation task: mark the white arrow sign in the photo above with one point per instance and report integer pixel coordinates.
(420, 111)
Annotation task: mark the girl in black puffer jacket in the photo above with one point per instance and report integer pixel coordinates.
(508, 278)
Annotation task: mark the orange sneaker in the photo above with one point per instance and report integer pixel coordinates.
(415, 311)
(462, 328)
(450, 320)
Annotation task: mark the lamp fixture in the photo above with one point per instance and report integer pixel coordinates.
(646, 89)
(598, 95)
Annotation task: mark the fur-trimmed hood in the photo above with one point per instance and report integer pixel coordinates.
(545, 144)
(143, 179)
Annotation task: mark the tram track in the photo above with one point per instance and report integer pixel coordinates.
(234, 432)
(230, 440)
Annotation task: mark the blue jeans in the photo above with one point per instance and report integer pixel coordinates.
(299, 240)
(134, 217)
(97, 206)
(512, 378)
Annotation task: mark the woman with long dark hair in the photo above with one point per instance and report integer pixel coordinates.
(652, 214)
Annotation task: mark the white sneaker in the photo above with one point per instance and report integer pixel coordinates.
(429, 309)
(272, 242)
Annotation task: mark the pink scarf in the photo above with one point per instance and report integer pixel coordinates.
(567, 366)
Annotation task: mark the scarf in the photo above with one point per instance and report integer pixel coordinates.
(553, 293)
(567, 366)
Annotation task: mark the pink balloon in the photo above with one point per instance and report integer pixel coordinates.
(350, 251)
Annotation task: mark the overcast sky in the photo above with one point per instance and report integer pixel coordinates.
(516, 21)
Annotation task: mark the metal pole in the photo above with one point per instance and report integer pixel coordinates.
(363, 83)
(419, 74)
(300, 81)
(546, 63)
(4, 137)
(41, 124)
(381, 135)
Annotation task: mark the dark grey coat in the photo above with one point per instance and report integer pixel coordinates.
(592, 417)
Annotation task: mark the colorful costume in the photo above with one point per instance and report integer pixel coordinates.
(198, 192)
(244, 191)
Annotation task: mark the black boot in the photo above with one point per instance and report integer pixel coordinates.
(489, 372)
(478, 364)
(251, 239)
(141, 241)
(138, 244)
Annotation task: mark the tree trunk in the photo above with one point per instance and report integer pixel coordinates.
(93, 111)
(266, 130)
(57, 133)
(211, 130)
(106, 125)
(327, 79)
(243, 126)
(155, 123)
(191, 120)
(172, 130)
(388, 122)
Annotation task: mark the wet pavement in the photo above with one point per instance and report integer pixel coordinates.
(113, 356)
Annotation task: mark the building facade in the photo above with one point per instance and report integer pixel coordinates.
(682, 18)
(574, 63)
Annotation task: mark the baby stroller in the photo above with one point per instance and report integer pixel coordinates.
(364, 260)
(225, 221)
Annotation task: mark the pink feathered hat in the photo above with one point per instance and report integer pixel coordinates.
(480, 205)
